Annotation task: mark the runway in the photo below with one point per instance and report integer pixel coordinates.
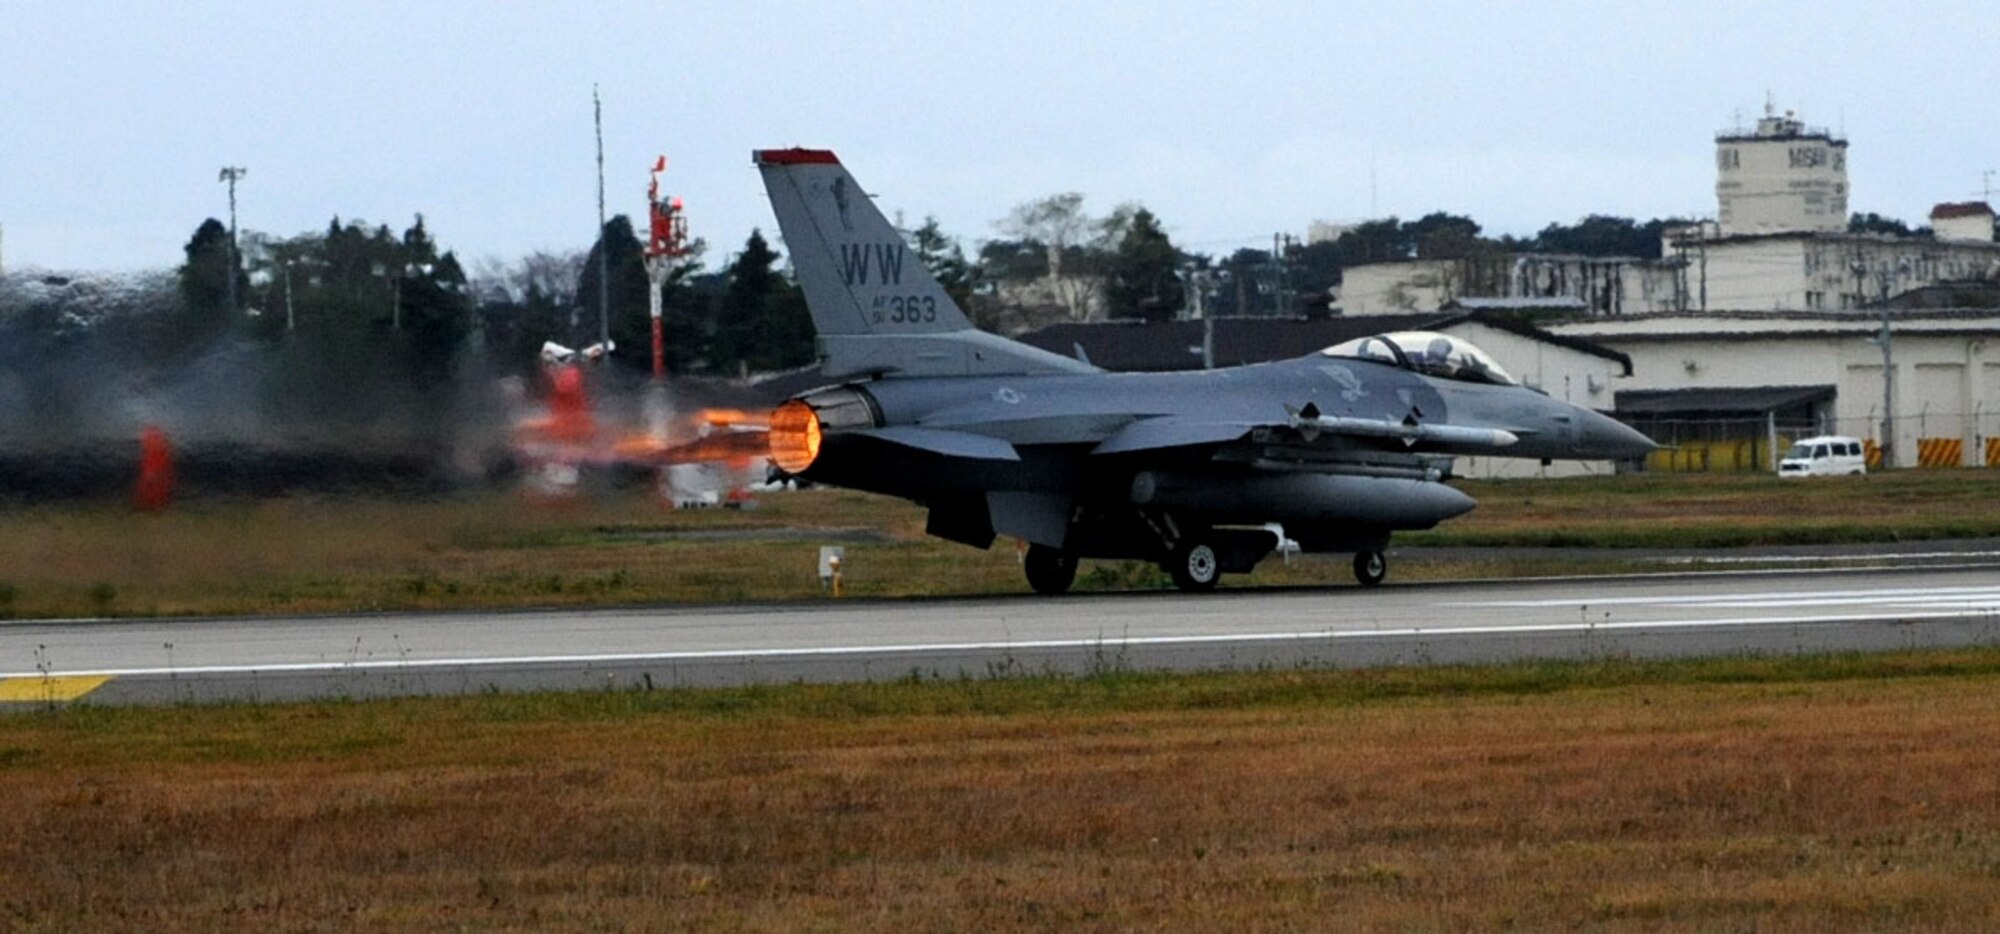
(269, 659)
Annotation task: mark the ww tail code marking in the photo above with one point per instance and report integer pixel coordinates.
(888, 262)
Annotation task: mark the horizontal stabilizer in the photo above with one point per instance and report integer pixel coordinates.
(948, 443)
(1168, 432)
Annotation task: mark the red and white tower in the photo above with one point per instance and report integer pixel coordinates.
(666, 241)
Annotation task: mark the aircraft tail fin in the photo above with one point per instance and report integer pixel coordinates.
(877, 310)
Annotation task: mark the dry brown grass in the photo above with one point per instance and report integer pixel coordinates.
(1797, 795)
(1706, 510)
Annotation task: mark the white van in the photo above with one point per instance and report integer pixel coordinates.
(1824, 456)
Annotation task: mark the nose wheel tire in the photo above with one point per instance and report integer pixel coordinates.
(1370, 567)
(1194, 566)
(1050, 571)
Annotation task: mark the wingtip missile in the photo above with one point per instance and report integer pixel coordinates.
(1408, 431)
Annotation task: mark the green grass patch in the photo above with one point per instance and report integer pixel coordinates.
(346, 726)
(490, 549)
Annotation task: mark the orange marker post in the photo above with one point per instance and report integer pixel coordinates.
(155, 488)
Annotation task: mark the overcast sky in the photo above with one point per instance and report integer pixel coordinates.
(1230, 120)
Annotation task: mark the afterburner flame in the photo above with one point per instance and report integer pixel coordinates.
(727, 418)
(795, 437)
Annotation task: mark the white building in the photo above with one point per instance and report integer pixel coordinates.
(1592, 285)
(1826, 271)
(1970, 221)
(1727, 378)
(1780, 242)
(1326, 231)
(1782, 177)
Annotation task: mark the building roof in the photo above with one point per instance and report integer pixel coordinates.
(1738, 401)
(1143, 346)
(1773, 127)
(1523, 329)
(1726, 326)
(1176, 345)
(1981, 294)
(1511, 257)
(1564, 303)
(1836, 237)
(1951, 209)
(1804, 132)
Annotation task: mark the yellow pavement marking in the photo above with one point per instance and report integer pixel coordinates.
(55, 688)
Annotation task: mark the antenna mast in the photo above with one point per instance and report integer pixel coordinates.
(231, 174)
(603, 246)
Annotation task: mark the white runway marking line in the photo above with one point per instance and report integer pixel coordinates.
(1971, 596)
(1802, 559)
(1036, 644)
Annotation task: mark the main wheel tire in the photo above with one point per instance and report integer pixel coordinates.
(1051, 571)
(1370, 567)
(1194, 566)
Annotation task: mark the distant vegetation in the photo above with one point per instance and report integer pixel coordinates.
(362, 300)
(365, 341)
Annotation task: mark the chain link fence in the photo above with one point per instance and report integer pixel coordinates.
(1733, 445)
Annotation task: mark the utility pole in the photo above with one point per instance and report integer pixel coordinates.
(230, 174)
(1887, 339)
(1681, 280)
(1374, 212)
(603, 245)
(1704, 272)
(1277, 278)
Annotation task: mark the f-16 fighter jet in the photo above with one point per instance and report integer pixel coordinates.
(1205, 472)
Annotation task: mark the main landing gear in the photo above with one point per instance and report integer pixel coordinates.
(1196, 562)
(1370, 567)
(1051, 571)
(1194, 565)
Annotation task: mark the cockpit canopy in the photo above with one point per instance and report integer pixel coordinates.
(1427, 352)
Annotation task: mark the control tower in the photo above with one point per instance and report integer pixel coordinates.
(1784, 177)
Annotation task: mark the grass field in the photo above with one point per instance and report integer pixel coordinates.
(229, 556)
(1726, 510)
(1799, 794)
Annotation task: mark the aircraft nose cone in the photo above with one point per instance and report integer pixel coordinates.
(1606, 438)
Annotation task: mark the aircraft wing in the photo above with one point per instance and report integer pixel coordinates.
(1152, 434)
(942, 441)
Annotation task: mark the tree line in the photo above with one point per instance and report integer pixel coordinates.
(356, 302)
